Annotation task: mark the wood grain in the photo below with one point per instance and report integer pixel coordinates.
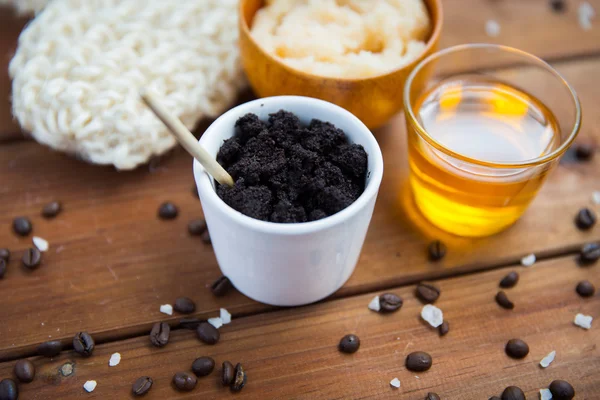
(293, 353)
(112, 263)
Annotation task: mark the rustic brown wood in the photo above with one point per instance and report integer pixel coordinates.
(112, 262)
(293, 353)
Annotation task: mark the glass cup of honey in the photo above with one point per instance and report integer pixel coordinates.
(485, 124)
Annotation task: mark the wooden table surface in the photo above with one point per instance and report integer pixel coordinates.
(112, 263)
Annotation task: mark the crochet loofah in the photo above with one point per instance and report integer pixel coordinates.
(26, 6)
(80, 64)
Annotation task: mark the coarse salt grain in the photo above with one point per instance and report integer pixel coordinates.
(216, 322)
(41, 244)
(432, 315)
(585, 13)
(584, 321)
(115, 359)
(492, 28)
(596, 197)
(166, 309)
(546, 361)
(395, 383)
(545, 394)
(225, 316)
(89, 386)
(374, 304)
(528, 260)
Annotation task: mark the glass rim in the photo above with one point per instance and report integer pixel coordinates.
(411, 117)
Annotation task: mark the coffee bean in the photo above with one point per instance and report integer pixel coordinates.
(8, 390)
(583, 152)
(557, 6)
(203, 366)
(2, 268)
(516, 348)
(197, 227)
(349, 344)
(184, 305)
(51, 210)
(513, 393)
(22, 226)
(32, 258)
(427, 292)
(24, 371)
(418, 361)
(437, 250)
(590, 253)
(184, 381)
(50, 349)
(206, 237)
(227, 373)
(585, 219)
(503, 301)
(389, 302)
(5, 255)
(585, 289)
(239, 378)
(432, 396)
(167, 211)
(83, 343)
(189, 323)
(221, 286)
(509, 280)
(142, 386)
(444, 328)
(561, 390)
(159, 335)
(208, 333)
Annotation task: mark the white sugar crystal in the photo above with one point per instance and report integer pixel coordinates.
(545, 394)
(432, 315)
(225, 316)
(166, 309)
(395, 383)
(115, 359)
(596, 197)
(216, 322)
(585, 13)
(374, 304)
(546, 361)
(89, 386)
(41, 244)
(529, 260)
(492, 28)
(584, 321)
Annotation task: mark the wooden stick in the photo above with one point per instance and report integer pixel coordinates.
(187, 139)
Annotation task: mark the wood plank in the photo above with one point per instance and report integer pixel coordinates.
(112, 262)
(293, 353)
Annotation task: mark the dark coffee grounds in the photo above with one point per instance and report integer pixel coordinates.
(287, 172)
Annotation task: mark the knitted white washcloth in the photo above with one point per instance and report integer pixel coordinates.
(80, 64)
(26, 6)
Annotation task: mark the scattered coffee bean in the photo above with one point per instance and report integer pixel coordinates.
(585, 289)
(432, 396)
(51, 210)
(142, 386)
(427, 292)
(585, 219)
(221, 286)
(513, 393)
(583, 152)
(2, 268)
(561, 390)
(437, 250)
(208, 333)
(5, 255)
(203, 366)
(509, 280)
(389, 302)
(227, 373)
(444, 328)
(83, 343)
(503, 301)
(184, 305)
(22, 226)
(167, 211)
(32, 258)
(197, 227)
(24, 371)
(184, 381)
(557, 5)
(50, 349)
(189, 323)
(349, 344)
(590, 253)
(516, 348)
(418, 361)
(9, 390)
(159, 335)
(206, 237)
(239, 378)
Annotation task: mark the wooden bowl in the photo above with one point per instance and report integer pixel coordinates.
(374, 99)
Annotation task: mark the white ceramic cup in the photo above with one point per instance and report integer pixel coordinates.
(289, 264)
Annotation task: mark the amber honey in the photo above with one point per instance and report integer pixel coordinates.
(471, 181)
